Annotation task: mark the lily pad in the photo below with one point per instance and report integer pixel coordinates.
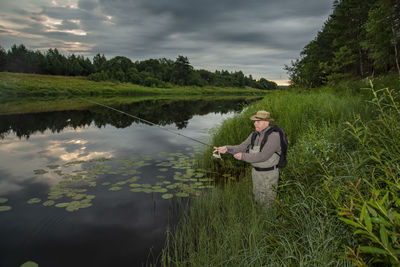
(106, 183)
(62, 205)
(30, 264)
(147, 190)
(48, 203)
(58, 196)
(3, 200)
(34, 200)
(5, 208)
(115, 188)
(53, 166)
(78, 196)
(163, 169)
(172, 186)
(167, 196)
(161, 190)
(136, 189)
(133, 179)
(40, 171)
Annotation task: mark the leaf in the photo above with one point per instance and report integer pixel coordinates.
(372, 211)
(351, 222)
(362, 232)
(367, 220)
(364, 207)
(5, 208)
(384, 198)
(337, 192)
(384, 235)
(29, 264)
(372, 250)
(167, 196)
(34, 200)
(366, 234)
(380, 220)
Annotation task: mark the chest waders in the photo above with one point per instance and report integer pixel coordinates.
(265, 181)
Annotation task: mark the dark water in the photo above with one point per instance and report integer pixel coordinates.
(98, 188)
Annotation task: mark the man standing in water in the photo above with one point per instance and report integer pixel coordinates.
(265, 174)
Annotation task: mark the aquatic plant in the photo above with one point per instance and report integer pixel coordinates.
(5, 208)
(34, 200)
(30, 264)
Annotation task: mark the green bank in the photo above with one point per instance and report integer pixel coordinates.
(34, 85)
(338, 198)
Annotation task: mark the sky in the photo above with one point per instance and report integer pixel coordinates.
(257, 37)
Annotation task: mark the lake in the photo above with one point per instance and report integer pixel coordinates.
(94, 187)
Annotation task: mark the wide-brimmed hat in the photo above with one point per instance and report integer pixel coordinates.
(262, 115)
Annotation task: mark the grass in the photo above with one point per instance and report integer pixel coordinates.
(33, 85)
(337, 170)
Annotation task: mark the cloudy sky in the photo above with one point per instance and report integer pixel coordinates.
(256, 36)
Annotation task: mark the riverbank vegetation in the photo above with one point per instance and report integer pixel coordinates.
(165, 73)
(337, 201)
(34, 85)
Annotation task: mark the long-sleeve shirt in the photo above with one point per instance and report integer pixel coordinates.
(273, 145)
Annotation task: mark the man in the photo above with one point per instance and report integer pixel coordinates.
(265, 174)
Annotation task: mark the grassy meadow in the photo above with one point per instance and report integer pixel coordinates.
(14, 85)
(338, 198)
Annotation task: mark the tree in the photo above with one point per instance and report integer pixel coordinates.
(56, 63)
(3, 59)
(17, 58)
(349, 18)
(383, 35)
(99, 63)
(268, 85)
(181, 71)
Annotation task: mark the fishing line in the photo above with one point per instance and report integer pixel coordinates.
(146, 121)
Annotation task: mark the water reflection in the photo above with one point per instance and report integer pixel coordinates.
(161, 112)
(121, 226)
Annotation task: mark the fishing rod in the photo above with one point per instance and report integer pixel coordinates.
(149, 122)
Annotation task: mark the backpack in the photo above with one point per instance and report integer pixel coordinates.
(284, 143)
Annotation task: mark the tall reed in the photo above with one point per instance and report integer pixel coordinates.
(226, 227)
(337, 197)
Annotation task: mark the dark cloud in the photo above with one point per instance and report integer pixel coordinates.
(255, 36)
(87, 4)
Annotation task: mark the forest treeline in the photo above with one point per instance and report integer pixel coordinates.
(151, 72)
(360, 38)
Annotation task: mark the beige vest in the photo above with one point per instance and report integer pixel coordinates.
(271, 162)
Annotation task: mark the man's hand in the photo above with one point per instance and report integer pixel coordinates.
(238, 156)
(221, 149)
